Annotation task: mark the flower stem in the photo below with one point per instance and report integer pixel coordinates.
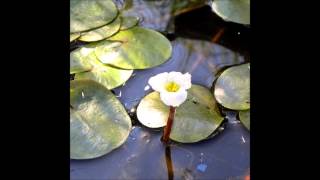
(167, 129)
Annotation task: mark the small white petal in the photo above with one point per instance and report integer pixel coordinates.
(172, 76)
(184, 80)
(173, 98)
(158, 81)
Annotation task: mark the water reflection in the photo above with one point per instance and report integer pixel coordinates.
(143, 157)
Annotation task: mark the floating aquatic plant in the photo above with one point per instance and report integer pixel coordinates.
(98, 121)
(195, 118)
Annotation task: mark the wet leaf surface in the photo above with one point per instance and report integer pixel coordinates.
(225, 156)
(89, 14)
(108, 76)
(98, 121)
(74, 36)
(155, 15)
(135, 48)
(232, 89)
(244, 117)
(128, 22)
(102, 32)
(236, 10)
(194, 120)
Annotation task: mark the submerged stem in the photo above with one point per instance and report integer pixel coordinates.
(167, 129)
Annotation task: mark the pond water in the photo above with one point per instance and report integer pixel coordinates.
(203, 45)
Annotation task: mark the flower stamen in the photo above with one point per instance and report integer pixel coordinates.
(172, 87)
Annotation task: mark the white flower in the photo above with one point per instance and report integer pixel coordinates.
(171, 86)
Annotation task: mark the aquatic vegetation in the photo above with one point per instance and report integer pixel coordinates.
(121, 58)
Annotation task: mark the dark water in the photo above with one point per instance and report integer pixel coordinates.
(203, 45)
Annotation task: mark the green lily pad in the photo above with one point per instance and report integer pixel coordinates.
(74, 36)
(233, 10)
(108, 76)
(244, 117)
(103, 32)
(232, 89)
(78, 63)
(194, 120)
(155, 15)
(183, 6)
(98, 121)
(89, 14)
(128, 22)
(135, 48)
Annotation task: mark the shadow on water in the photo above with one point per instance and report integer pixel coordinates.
(203, 45)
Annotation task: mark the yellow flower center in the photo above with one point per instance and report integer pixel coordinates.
(172, 87)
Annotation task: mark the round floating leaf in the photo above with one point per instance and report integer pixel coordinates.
(232, 89)
(98, 121)
(156, 15)
(183, 6)
(110, 77)
(89, 14)
(135, 48)
(244, 117)
(194, 120)
(78, 63)
(74, 36)
(128, 22)
(233, 10)
(203, 60)
(103, 32)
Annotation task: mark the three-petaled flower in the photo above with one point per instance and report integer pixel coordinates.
(172, 87)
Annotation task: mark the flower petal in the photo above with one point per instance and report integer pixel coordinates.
(184, 80)
(158, 81)
(173, 98)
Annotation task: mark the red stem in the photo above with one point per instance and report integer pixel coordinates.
(217, 36)
(167, 129)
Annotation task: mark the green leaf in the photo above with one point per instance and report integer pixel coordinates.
(74, 36)
(244, 117)
(128, 22)
(78, 62)
(155, 15)
(233, 10)
(183, 6)
(232, 89)
(136, 48)
(108, 76)
(202, 59)
(89, 14)
(103, 32)
(98, 121)
(194, 120)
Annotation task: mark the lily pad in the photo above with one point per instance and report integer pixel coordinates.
(236, 10)
(135, 48)
(98, 121)
(232, 89)
(78, 63)
(74, 36)
(202, 59)
(108, 76)
(183, 6)
(103, 32)
(194, 120)
(128, 22)
(244, 117)
(89, 14)
(154, 15)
